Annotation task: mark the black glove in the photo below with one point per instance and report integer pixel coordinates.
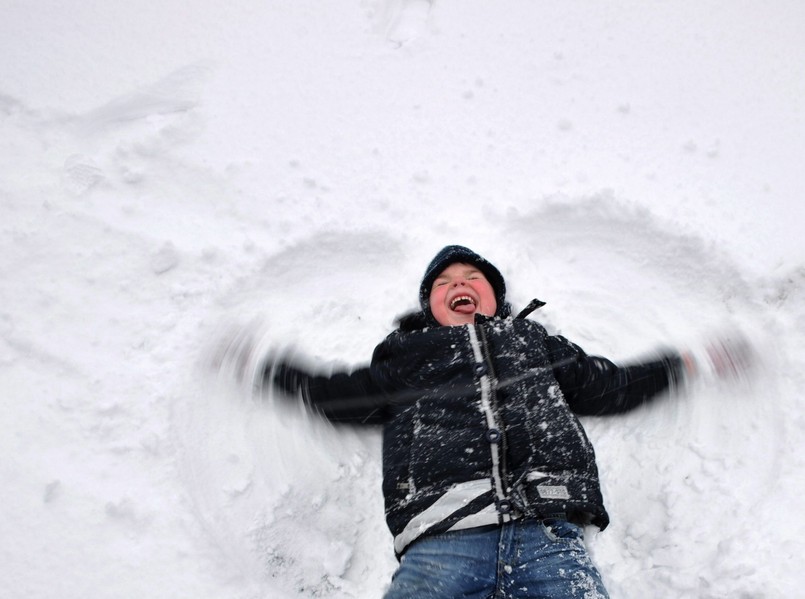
(280, 374)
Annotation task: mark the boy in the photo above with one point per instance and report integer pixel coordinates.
(488, 476)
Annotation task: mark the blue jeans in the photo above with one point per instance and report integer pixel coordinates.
(524, 559)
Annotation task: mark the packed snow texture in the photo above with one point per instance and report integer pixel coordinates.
(169, 171)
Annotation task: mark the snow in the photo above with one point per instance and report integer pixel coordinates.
(170, 170)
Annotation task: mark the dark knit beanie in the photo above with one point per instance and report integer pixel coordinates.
(457, 253)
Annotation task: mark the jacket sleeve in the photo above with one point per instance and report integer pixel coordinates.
(339, 397)
(596, 386)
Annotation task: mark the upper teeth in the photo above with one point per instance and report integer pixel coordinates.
(460, 298)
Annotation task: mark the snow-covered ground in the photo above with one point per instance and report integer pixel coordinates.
(171, 169)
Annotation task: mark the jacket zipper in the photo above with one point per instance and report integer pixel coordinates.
(494, 435)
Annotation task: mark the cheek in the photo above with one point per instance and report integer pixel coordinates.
(437, 296)
(437, 307)
(487, 295)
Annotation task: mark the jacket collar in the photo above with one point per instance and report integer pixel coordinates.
(416, 321)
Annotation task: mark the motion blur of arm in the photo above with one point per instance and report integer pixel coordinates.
(338, 396)
(596, 386)
(246, 354)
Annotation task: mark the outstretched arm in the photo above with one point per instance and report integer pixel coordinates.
(340, 396)
(596, 386)
(246, 354)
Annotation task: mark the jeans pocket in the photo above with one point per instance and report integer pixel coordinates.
(563, 530)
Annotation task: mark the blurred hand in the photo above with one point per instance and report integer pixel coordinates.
(729, 357)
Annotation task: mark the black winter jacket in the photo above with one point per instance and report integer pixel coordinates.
(480, 421)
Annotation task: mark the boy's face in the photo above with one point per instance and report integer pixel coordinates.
(459, 293)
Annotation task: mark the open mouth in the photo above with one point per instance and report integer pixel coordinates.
(462, 303)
